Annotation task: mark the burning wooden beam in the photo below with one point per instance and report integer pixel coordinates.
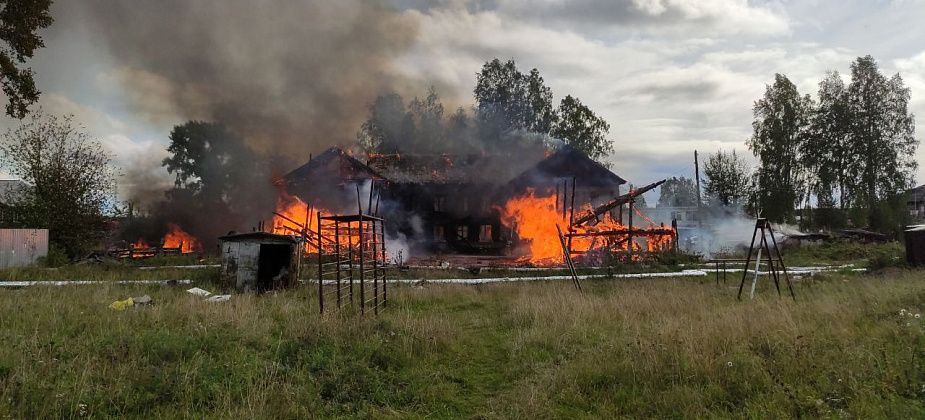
(619, 201)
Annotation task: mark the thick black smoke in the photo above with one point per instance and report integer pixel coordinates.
(291, 77)
(288, 77)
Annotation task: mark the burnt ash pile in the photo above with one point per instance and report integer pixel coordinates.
(448, 203)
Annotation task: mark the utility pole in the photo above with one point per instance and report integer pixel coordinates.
(699, 202)
(697, 177)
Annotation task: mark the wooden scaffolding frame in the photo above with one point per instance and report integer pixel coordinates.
(351, 258)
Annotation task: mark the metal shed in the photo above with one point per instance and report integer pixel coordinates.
(260, 261)
(21, 247)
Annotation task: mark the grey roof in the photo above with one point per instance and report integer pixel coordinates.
(916, 194)
(567, 163)
(260, 237)
(9, 187)
(449, 169)
(333, 164)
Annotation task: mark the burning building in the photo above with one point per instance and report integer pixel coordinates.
(475, 204)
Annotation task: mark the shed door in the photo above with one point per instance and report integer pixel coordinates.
(273, 265)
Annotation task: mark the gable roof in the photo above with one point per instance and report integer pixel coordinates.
(332, 165)
(448, 169)
(567, 163)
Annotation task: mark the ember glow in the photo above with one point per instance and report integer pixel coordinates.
(293, 215)
(178, 238)
(141, 243)
(534, 219)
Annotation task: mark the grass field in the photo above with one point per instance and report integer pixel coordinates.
(638, 348)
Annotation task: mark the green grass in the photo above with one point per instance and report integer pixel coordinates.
(106, 272)
(637, 348)
(841, 252)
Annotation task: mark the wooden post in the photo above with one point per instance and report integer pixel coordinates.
(385, 295)
(369, 203)
(780, 259)
(375, 270)
(320, 270)
(566, 254)
(629, 238)
(362, 286)
(748, 259)
(336, 257)
(697, 176)
(350, 258)
(557, 197)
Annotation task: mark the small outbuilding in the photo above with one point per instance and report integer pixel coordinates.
(915, 244)
(260, 261)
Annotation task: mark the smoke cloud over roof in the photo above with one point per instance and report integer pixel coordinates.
(291, 77)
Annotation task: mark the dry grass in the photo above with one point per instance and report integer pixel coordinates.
(656, 347)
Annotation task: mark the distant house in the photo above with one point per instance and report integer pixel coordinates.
(8, 189)
(915, 202)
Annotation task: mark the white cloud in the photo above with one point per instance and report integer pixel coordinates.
(131, 155)
(663, 96)
(663, 17)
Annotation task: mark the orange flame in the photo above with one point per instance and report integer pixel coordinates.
(293, 216)
(178, 238)
(141, 243)
(534, 220)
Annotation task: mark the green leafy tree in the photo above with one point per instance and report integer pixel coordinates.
(828, 159)
(206, 158)
(542, 117)
(727, 178)
(678, 192)
(220, 182)
(580, 128)
(69, 181)
(882, 133)
(19, 22)
(388, 125)
(780, 127)
(640, 202)
(502, 101)
(420, 127)
(428, 121)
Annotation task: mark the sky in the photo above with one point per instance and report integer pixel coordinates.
(670, 76)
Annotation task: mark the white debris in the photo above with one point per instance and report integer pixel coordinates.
(199, 292)
(86, 282)
(218, 298)
(684, 273)
(184, 267)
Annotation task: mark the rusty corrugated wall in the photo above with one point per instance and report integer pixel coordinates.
(20, 247)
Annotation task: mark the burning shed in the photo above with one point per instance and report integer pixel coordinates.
(260, 261)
